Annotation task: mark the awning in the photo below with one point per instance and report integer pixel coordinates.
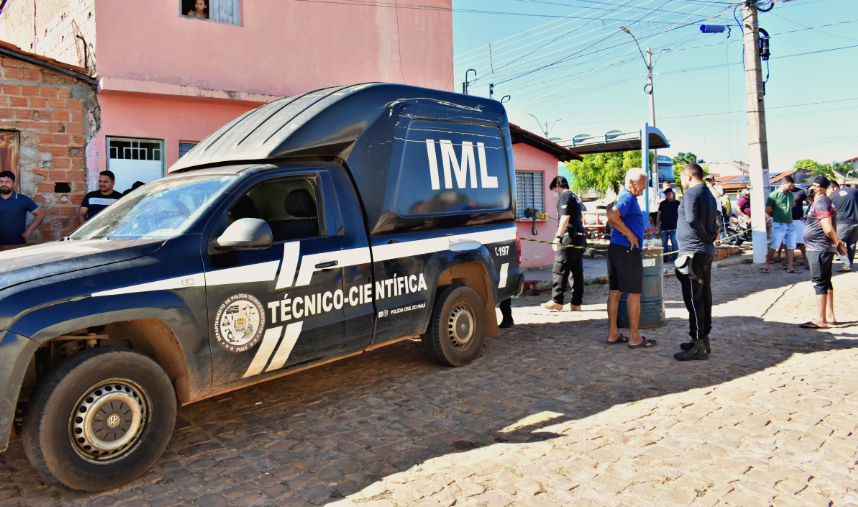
(614, 141)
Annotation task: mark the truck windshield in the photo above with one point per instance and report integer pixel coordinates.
(160, 210)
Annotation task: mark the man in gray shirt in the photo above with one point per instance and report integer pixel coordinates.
(697, 229)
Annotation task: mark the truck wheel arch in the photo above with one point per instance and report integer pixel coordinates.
(156, 339)
(475, 276)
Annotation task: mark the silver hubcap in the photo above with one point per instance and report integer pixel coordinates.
(108, 420)
(460, 326)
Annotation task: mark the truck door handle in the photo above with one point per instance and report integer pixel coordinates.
(326, 264)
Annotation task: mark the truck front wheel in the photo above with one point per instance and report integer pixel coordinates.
(99, 419)
(456, 331)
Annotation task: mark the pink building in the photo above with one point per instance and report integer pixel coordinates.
(166, 79)
(536, 160)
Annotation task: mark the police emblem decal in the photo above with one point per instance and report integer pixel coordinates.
(239, 323)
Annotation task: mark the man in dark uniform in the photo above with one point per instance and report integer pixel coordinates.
(697, 229)
(570, 231)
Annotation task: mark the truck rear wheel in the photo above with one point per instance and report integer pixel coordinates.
(99, 419)
(456, 331)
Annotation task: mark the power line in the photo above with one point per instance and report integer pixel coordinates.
(440, 8)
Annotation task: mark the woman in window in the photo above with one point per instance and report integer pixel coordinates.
(199, 10)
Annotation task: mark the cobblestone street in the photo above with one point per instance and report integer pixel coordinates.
(547, 415)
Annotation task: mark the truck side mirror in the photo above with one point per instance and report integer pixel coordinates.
(245, 234)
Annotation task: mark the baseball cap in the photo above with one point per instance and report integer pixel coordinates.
(746, 191)
(822, 181)
(709, 177)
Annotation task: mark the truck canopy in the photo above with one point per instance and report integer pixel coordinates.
(414, 153)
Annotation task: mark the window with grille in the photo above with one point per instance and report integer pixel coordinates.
(132, 160)
(529, 191)
(126, 149)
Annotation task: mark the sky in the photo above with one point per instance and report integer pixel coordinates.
(568, 63)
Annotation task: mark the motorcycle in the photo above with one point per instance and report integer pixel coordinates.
(738, 231)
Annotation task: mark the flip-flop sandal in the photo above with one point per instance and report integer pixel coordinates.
(645, 344)
(621, 339)
(793, 271)
(764, 271)
(811, 325)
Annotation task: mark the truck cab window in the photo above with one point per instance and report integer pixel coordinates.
(289, 206)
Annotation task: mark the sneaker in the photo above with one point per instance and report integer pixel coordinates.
(571, 308)
(552, 306)
(506, 324)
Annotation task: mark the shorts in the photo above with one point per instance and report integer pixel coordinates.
(820, 271)
(625, 269)
(783, 234)
(798, 225)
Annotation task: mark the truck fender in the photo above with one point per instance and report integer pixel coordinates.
(178, 334)
(473, 268)
(15, 354)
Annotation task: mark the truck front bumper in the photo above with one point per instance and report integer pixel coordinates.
(15, 354)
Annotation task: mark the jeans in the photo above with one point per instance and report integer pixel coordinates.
(665, 236)
(697, 295)
(848, 233)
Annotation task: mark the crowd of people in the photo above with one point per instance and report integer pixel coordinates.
(689, 228)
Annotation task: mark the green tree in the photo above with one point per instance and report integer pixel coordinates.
(682, 159)
(827, 170)
(603, 171)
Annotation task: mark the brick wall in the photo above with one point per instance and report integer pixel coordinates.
(50, 27)
(56, 116)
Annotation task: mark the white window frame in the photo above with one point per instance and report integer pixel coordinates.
(529, 189)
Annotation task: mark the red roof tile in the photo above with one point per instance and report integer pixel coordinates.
(50, 61)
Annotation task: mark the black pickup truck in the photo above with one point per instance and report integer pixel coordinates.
(313, 228)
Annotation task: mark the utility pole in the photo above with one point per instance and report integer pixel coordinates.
(645, 161)
(652, 121)
(758, 151)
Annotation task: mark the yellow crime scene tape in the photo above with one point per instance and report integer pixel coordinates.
(670, 252)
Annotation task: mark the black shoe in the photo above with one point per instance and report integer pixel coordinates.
(690, 345)
(697, 352)
(506, 324)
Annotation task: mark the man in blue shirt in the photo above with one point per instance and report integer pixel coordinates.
(625, 264)
(13, 214)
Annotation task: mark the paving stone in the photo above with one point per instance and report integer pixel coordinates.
(616, 428)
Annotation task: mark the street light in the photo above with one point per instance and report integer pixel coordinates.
(545, 129)
(648, 88)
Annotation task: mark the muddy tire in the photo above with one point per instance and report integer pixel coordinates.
(457, 327)
(99, 419)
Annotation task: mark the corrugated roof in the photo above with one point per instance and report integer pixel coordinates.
(9, 49)
(563, 154)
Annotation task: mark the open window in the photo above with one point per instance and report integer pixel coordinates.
(219, 11)
(291, 207)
